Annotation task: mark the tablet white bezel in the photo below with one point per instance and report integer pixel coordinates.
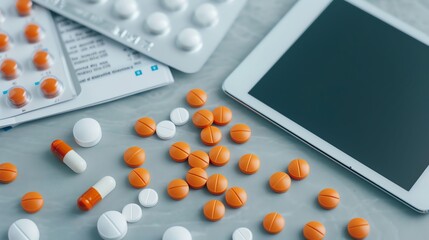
(272, 47)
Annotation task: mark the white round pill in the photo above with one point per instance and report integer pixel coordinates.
(126, 8)
(132, 212)
(189, 39)
(148, 198)
(206, 15)
(87, 132)
(177, 233)
(165, 130)
(112, 226)
(242, 234)
(23, 229)
(157, 23)
(175, 5)
(179, 116)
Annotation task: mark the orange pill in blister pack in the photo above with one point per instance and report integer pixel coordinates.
(9, 69)
(33, 33)
(51, 87)
(23, 7)
(18, 96)
(42, 60)
(4, 42)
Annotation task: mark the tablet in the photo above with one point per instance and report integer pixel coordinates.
(352, 82)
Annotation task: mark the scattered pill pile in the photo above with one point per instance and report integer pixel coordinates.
(114, 224)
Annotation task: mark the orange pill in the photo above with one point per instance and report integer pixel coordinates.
(145, 127)
(328, 198)
(196, 98)
(134, 156)
(42, 60)
(199, 159)
(33, 33)
(9, 69)
(358, 228)
(23, 7)
(273, 222)
(217, 184)
(18, 96)
(211, 135)
(8, 172)
(314, 231)
(4, 42)
(236, 197)
(139, 177)
(249, 163)
(222, 115)
(240, 133)
(202, 118)
(50, 87)
(280, 182)
(32, 202)
(219, 155)
(178, 189)
(214, 210)
(196, 178)
(180, 151)
(298, 169)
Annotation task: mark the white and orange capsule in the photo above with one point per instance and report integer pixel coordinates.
(68, 156)
(96, 193)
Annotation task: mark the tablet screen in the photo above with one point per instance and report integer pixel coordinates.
(362, 86)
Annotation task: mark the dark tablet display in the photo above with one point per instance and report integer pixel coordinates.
(360, 85)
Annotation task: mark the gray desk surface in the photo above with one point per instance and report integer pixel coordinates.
(28, 147)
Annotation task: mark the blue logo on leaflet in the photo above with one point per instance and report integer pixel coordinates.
(138, 72)
(154, 68)
(5, 91)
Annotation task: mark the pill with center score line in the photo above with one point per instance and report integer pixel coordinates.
(112, 225)
(166, 130)
(179, 116)
(177, 233)
(96, 193)
(23, 229)
(242, 234)
(148, 198)
(132, 212)
(68, 156)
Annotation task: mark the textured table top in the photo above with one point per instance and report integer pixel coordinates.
(28, 147)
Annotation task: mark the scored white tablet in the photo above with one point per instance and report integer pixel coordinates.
(351, 81)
